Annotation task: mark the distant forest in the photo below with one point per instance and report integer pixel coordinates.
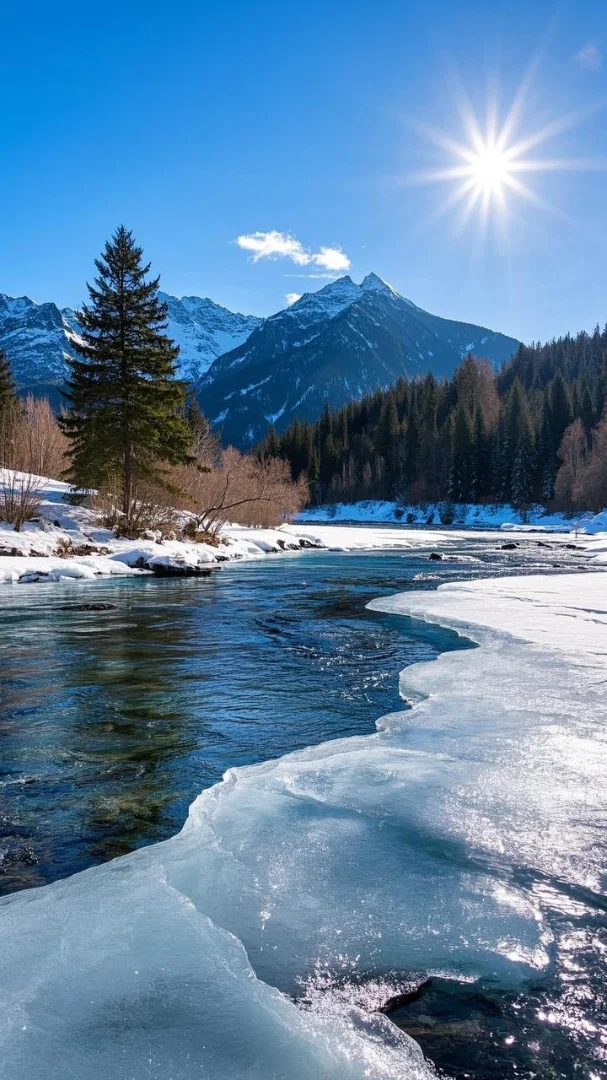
(534, 432)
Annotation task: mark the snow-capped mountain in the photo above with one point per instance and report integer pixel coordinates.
(36, 338)
(331, 346)
(204, 330)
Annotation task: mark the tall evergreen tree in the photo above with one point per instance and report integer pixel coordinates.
(9, 407)
(461, 475)
(387, 440)
(522, 447)
(8, 394)
(125, 417)
(523, 469)
(481, 458)
(561, 408)
(547, 458)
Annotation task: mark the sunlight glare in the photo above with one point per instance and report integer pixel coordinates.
(490, 169)
(486, 166)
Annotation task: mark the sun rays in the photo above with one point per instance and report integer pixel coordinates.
(496, 164)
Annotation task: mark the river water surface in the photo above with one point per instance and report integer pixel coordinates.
(113, 720)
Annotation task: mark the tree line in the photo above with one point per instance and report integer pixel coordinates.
(131, 437)
(534, 432)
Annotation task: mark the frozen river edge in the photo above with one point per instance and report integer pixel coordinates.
(358, 856)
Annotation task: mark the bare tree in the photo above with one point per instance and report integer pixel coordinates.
(241, 489)
(572, 453)
(38, 446)
(590, 490)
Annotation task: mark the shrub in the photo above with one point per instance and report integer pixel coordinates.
(446, 513)
(20, 497)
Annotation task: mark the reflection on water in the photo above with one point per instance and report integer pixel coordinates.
(112, 721)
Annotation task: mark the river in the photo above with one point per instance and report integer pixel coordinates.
(121, 700)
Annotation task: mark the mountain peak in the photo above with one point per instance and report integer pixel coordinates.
(373, 283)
(341, 342)
(339, 285)
(37, 337)
(326, 302)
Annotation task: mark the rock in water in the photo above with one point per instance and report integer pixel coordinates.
(88, 607)
(178, 568)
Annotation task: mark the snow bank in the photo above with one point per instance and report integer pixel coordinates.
(50, 568)
(443, 842)
(66, 541)
(464, 515)
(74, 545)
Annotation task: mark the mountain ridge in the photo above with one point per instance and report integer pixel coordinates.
(38, 338)
(338, 343)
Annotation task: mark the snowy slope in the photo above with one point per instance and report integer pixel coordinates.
(332, 346)
(37, 337)
(204, 330)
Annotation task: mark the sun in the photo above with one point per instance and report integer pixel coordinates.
(486, 170)
(490, 170)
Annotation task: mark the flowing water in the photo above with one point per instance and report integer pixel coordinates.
(120, 701)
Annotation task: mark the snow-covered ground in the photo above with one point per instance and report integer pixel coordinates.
(67, 542)
(451, 841)
(465, 515)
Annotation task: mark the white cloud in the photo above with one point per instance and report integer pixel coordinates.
(316, 277)
(292, 297)
(279, 245)
(273, 245)
(589, 56)
(332, 259)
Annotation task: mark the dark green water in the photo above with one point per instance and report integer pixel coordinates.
(111, 722)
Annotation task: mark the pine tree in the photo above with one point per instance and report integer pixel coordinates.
(561, 410)
(522, 476)
(587, 411)
(387, 441)
(271, 445)
(547, 459)
(314, 469)
(498, 464)
(411, 457)
(204, 443)
(481, 458)
(461, 473)
(125, 420)
(523, 469)
(9, 407)
(8, 394)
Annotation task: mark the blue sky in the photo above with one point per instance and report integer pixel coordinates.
(196, 124)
